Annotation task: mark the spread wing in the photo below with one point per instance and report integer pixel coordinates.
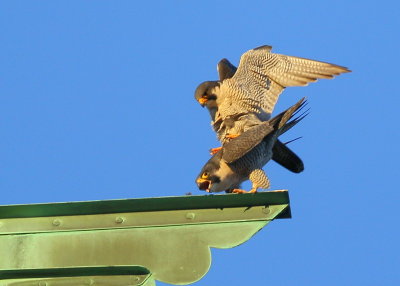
(262, 76)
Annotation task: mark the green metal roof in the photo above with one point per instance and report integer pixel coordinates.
(100, 242)
(148, 204)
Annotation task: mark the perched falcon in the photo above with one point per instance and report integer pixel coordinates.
(281, 153)
(242, 158)
(246, 97)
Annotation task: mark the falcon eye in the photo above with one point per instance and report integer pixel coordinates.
(205, 175)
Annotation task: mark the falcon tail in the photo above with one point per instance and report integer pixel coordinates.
(287, 158)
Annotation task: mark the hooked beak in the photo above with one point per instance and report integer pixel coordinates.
(204, 184)
(202, 101)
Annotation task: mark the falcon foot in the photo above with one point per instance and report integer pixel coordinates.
(214, 150)
(239, 191)
(232, 136)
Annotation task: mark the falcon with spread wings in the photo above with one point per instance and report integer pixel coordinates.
(245, 97)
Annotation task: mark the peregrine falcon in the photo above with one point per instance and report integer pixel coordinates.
(245, 97)
(281, 153)
(242, 158)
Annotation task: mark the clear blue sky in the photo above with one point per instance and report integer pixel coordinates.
(97, 103)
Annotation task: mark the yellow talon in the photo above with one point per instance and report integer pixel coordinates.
(232, 136)
(239, 191)
(213, 151)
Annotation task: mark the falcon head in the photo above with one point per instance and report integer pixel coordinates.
(206, 95)
(216, 175)
(208, 179)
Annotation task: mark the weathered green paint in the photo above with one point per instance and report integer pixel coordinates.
(174, 244)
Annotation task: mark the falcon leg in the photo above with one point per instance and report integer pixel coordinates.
(259, 180)
(253, 190)
(239, 191)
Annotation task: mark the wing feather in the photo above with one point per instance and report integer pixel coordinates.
(238, 147)
(225, 69)
(262, 76)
